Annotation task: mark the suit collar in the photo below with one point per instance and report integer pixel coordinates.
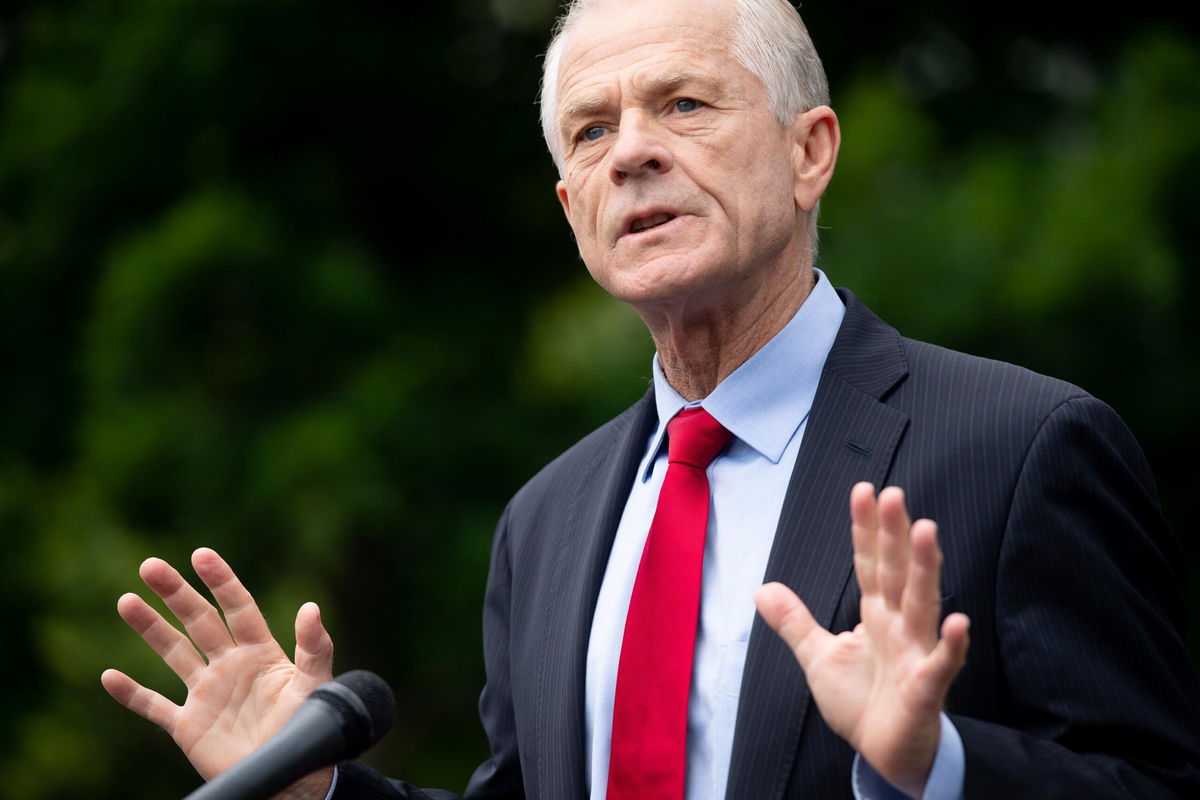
(868, 354)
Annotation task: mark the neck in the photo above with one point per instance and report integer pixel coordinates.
(699, 347)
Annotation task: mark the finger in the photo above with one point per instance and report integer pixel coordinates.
(922, 601)
(242, 615)
(864, 529)
(893, 545)
(199, 618)
(948, 657)
(790, 618)
(140, 700)
(164, 638)
(314, 646)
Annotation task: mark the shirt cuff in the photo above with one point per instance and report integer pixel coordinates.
(945, 777)
(333, 785)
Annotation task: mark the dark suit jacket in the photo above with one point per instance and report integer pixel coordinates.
(1077, 682)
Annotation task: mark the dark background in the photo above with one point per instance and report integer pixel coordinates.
(288, 279)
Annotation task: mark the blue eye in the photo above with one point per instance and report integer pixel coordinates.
(686, 104)
(593, 133)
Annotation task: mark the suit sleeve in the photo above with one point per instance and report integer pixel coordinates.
(498, 778)
(1103, 699)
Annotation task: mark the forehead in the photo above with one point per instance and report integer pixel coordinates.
(655, 40)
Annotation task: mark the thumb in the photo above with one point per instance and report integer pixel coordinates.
(790, 618)
(314, 646)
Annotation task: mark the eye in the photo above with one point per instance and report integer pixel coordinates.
(592, 133)
(686, 104)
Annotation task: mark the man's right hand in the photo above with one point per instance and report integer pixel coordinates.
(242, 688)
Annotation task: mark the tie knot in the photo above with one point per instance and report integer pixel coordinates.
(695, 438)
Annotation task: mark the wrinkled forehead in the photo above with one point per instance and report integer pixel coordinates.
(622, 37)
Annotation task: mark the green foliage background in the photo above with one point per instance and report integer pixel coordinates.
(288, 279)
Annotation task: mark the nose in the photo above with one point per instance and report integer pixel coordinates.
(640, 148)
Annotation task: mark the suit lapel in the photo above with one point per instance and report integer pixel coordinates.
(850, 436)
(589, 527)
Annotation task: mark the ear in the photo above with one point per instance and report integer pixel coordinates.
(816, 138)
(561, 190)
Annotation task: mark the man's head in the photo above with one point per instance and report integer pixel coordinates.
(768, 38)
(693, 145)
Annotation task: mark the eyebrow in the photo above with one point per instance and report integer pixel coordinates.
(671, 81)
(666, 83)
(582, 107)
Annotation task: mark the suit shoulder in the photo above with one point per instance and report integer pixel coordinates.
(924, 379)
(939, 376)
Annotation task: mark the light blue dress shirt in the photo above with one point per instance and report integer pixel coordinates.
(765, 404)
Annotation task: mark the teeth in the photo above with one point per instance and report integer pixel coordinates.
(650, 222)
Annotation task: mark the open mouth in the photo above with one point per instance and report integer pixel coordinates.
(650, 222)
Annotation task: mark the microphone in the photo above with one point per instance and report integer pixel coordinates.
(339, 720)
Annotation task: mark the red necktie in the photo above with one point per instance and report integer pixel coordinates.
(649, 733)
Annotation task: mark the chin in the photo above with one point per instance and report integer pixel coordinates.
(665, 281)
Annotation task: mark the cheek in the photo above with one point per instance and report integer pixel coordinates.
(587, 207)
(584, 224)
(765, 219)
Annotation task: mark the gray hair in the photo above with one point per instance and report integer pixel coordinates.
(769, 40)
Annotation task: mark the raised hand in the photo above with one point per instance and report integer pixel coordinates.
(882, 685)
(242, 688)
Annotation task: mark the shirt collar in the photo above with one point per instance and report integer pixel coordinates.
(764, 401)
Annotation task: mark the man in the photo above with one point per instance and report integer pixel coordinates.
(624, 655)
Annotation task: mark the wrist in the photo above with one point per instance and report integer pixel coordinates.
(944, 781)
(908, 768)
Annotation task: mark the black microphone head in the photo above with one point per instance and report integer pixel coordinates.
(366, 705)
(376, 696)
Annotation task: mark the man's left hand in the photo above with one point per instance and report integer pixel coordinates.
(882, 685)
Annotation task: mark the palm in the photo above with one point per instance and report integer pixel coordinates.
(222, 708)
(242, 687)
(881, 686)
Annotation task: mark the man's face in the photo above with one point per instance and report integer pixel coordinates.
(678, 182)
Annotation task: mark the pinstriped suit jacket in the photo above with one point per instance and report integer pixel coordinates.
(1077, 683)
